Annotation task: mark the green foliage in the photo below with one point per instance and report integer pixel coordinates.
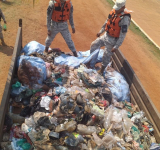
(111, 3)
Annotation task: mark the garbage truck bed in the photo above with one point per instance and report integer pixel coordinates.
(137, 92)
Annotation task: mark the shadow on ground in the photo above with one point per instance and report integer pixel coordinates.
(8, 50)
(7, 2)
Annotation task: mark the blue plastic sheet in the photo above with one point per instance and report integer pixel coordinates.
(83, 57)
(118, 85)
(93, 58)
(87, 53)
(32, 47)
(36, 62)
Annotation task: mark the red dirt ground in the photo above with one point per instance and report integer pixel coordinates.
(89, 16)
(147, 15)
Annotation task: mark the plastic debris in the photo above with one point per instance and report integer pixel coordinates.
(69, 108)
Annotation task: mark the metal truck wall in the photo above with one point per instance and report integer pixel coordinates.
(137, 92)
(6, 95)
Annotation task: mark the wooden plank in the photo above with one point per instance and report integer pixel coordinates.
(114, 65)
(134, 79)
(133, 101)
(147, 101)
(136, 95)
(125, 64)
(6, 94)
(136, 99)
(121, 69)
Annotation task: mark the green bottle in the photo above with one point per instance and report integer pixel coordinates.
(5, 27)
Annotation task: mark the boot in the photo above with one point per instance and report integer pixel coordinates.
(101, 70)
(75, 54)
(3, 43)
(46, 49)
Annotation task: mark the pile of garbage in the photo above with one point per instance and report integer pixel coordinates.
(60, 107)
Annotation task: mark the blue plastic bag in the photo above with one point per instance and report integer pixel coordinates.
(36, 62)
(32, 47)
(118, 85)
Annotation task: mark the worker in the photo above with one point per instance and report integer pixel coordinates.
(1, 35)
(115, 27)
(58, 13)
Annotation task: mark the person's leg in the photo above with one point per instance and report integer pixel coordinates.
(67, 37)
(50, 38)
(106, 57)
(98, 43)
(1, 36)
(3, 43)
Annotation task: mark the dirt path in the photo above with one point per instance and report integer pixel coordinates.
(89, 16)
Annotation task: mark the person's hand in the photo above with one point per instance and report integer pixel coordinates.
(5, 22)
(73, 30)
(98, 34)
(114, 50)
(49, 33)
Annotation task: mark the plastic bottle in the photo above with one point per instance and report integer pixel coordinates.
(69, 126)
(108, 140)
(107, 118)
(97, 140)
(127, 124)
(91, 121)
(5, 27)
(86, 130)
(16, 118)
(135, 133)
(97, 111)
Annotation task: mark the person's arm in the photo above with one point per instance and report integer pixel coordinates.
(1, 15)
(49, 14)
(125, 22)
(103, 27)
(71, 17)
